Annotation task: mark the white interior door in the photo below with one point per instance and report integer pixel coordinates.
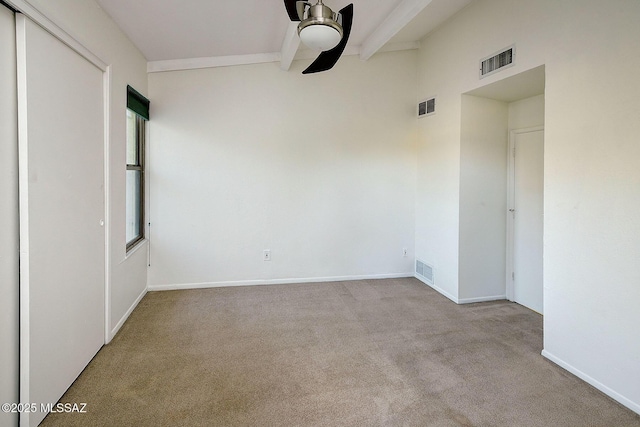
(62, 258)
(526, 204)
(8, 217)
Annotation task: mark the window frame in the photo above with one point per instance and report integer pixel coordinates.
(140, 132)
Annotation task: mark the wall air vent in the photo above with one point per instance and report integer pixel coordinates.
(496, 62)
(424, 271)
(427, 107)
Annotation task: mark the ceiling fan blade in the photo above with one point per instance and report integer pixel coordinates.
(292, 9)
(328, 59)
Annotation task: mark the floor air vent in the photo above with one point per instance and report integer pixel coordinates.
(427, 107)
(497, 62)
(425, 271)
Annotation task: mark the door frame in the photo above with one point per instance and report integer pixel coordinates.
(511, 154)
(9, 218)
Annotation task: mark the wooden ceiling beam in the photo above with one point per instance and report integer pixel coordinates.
(404, 13)
(289, 46)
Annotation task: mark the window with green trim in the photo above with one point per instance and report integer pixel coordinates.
(137, 115)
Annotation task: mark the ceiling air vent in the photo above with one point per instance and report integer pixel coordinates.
(497, 62)
(424, 271)
(427, 107)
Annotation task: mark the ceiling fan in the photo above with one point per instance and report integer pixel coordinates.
(321, 29)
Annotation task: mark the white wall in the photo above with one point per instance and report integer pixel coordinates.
(483, 194)
(90, 25)
(320, 169)
(9, 227)
(526, 113)
(592, 168)
(438, 178)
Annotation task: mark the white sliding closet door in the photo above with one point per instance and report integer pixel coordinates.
(8, 217)
(62, 267)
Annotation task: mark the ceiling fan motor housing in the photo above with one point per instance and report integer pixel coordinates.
(319, 10)
(320, 19)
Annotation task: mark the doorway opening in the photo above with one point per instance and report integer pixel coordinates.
(501, 190)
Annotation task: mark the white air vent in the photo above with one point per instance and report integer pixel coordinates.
(427, 107)
(425, 271)
(496, 62)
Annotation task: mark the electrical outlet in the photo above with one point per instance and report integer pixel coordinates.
(404, 252)
(266, 255)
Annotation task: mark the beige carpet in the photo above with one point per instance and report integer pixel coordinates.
(366, 353)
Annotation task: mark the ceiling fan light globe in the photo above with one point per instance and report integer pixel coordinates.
(320, 37)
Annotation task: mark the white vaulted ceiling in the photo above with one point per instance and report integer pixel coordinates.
(169, 30)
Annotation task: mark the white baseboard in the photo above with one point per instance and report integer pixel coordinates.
(437, 289)
(481, 299)
(459, 300)
(124, 318)
(634, 406)
(184, 286)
